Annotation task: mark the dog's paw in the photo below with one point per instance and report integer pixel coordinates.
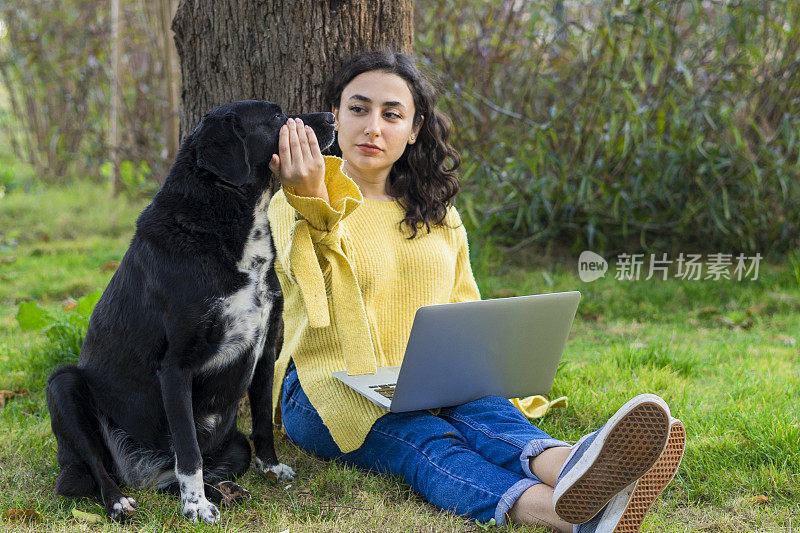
(199, 508)
(121, 508)
(278, 472)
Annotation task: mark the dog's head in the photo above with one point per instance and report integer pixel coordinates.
(236, 141)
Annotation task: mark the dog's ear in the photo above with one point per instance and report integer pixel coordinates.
(221, 148)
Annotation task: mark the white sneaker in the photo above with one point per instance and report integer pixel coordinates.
(605, 463)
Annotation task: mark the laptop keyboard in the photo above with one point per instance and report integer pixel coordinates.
(386, 390)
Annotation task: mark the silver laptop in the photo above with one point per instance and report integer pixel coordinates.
(459, 352)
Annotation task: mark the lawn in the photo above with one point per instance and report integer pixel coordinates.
(724, 354)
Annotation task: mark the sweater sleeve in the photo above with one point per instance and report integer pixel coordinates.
(464, 289)
(307, 231)
(287, 208)
(343, 193)
(309, 236)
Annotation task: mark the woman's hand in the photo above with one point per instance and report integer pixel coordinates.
(300, 163)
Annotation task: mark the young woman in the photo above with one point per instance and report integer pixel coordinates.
(365, 240)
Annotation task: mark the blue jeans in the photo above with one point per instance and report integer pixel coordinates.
(471, 459)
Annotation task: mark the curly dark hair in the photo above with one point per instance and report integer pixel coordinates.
(424, 179)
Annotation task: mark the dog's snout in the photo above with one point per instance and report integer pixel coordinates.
(322, 124)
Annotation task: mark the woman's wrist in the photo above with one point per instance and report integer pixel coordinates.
(320, 192)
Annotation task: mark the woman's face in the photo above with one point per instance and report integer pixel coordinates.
(377, 108)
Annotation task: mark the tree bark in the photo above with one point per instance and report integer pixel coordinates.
(116, 103)
(171, 77)
(281, 51)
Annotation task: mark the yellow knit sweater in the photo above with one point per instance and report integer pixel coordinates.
(352, 283)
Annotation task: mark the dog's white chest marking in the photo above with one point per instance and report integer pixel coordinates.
(246, 312)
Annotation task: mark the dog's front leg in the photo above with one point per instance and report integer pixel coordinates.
(176, 391)
(260, 393)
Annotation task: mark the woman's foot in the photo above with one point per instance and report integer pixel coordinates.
(626, 511)
(609, 461)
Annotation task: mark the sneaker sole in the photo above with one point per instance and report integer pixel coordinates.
(654, 481)
(629, 445)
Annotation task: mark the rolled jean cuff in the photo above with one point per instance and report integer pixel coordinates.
(508, 499)
(534, 448)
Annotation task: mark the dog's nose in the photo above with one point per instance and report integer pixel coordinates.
(330, 118)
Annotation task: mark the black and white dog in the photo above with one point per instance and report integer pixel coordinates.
(186, 326)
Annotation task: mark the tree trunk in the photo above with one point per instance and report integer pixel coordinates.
(281, 51)
(171, 77)
(113, 136)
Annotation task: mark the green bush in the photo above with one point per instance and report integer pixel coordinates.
(624, 126)
(65, 332)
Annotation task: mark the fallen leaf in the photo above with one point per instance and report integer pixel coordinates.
(789, 341)
(22, 515)
(108, 267)
(705, 311)
(737, 325)
(230, 493)
(8, 394)
(86, 517)
(70, 304)
(760, 499)
(785, 298)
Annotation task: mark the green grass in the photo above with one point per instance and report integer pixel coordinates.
(722, 353)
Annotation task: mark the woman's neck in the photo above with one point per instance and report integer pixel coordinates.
(372, 186)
